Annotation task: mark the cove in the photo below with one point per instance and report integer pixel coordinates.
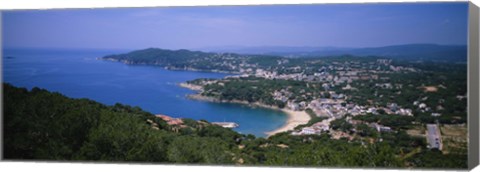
(77, 73)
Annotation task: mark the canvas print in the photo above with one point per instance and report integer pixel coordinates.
(320, 85)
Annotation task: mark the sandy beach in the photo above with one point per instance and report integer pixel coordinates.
(295, 118)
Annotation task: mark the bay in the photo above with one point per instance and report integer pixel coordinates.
(77, 73)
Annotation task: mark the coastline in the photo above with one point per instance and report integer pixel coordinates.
(295, 118)
(191, 86)
(129, 62)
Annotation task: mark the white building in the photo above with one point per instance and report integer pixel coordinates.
(308, 130)
(293, 106)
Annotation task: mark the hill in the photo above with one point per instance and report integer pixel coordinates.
(195, 60)
(457, 53)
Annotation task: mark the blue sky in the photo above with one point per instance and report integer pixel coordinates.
(338, 25)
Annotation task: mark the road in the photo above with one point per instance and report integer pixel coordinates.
(433, 136)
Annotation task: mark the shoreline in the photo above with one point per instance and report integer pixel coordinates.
(191, 86)
(294, 118)
(171, 68)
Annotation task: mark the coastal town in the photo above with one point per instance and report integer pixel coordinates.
(330, 92)
(367, 99)
(309, 85)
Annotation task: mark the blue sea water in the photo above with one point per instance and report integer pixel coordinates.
(78, 74)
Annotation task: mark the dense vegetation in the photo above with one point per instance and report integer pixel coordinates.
(48, 126)
(254, 89)
(42, 125)
(238, 63)
(448, 79)
(430, 52)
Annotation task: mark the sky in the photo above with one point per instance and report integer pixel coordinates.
(332, 25)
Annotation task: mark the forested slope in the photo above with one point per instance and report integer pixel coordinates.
(40, 125)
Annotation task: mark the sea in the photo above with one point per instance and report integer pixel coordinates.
(78, 73)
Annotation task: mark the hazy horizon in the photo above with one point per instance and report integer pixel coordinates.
(320, 25)
(227, 46)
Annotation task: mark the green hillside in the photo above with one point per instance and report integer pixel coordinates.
(40, 125)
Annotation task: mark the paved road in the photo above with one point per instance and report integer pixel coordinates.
(433, 136)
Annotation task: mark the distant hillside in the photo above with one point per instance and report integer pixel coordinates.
(157, 55)
(239, 62)
(194, 60)
(410, 52)
(457, 53)
(271, 50)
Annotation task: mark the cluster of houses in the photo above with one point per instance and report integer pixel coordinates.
(274, 75)
(394, 109)
(281, 95)
(401, 68)
(317, 128)
(385, 62)
(380, 128)
(424, 108)
(338, 108)
(333, 74)
(335, 106)
(331, 108)
(324, 126)
(376, 126)
(176, 123)
(170, 120)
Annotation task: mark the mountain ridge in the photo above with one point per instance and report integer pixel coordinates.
(403, 51)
